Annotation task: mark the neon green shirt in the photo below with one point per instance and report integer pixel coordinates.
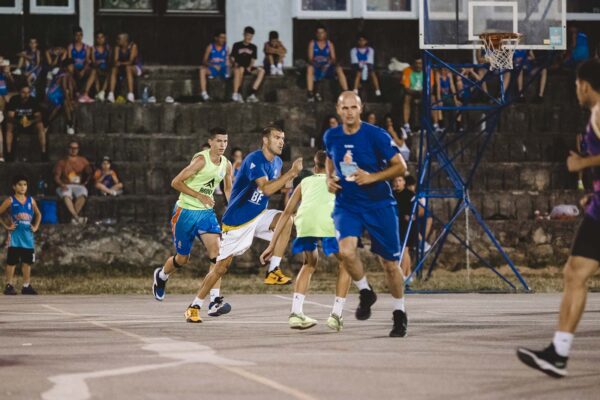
(314, 214)
(204, 181)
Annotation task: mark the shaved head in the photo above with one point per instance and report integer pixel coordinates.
(349, 107)
(349, 94)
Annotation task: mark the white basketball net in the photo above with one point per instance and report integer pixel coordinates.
(499, 49)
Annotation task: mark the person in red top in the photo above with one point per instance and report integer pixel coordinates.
(106, 179)
(71, 175)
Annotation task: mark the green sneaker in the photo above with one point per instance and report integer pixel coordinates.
(335, 322)
(301, 321)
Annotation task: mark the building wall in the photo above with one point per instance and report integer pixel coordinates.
(263, 16)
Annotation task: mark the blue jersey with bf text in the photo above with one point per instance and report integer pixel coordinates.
(22, 216)
(247, 200)
(369, 149)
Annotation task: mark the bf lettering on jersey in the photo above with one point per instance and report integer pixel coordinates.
(256, 197)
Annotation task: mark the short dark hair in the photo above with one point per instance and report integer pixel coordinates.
(589, 71)
(235, 149)
(273, 35)
(99, 32)
(249, 30)
(410, 180)
(270, 129)
(321, 26)
(205, 145)
(219, 32)
(216, 131)
(18, 178)
(362, 35)
(320, 157)
(74, 141)
(77, 29)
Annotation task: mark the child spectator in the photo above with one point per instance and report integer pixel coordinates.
(106, 179)
(322, 64)
(446, 95)
(412, 79)
(275, 52)
(329, 122)
(126, 65)
(243, 57)
(237, 156)
(54, 56)
(25, 218)
(371, 118)
(362, 58)
(61, 94)
(5, 79)
(71, 175)
(99, 74)
(24, 116)
(398, 138)
(79, 52)
(215, 63)
(31, 60)
(579, 48)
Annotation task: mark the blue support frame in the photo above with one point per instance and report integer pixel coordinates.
(434, 148)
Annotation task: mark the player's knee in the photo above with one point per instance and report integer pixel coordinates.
(391, 267)
(347, 252)
(220, 269)
(179, 261)
(571, 276)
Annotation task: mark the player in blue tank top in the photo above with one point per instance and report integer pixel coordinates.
(25, 218)
(247, 216)
(79, 52)
(215, 62)
(584, 260)
(99, 74)
(322, 63)
(362, 159)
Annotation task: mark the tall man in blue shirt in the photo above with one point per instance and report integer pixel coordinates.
(362, 159)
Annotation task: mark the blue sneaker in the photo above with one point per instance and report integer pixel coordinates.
(158, 288)
(217, 307)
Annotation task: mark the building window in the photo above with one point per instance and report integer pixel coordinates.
(52, 6)
(193, 6)
(324, 9)
(388, 5)
(390, 9)
(11, 6)
(144, 6)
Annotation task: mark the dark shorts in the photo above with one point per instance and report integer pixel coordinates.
(31, 129)
(18, 255)
(381, 224)
(586, 240)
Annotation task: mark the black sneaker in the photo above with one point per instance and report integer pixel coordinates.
(546, 361)
(218, 307)
(158, 288)
(400, 324)
(28, 290)
(9, 290)
(367, 299)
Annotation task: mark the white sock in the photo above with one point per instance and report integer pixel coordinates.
(297, 303)
(362, 284)
(279, 65)
(275, 261)
(398, 303)
(162, 274)
(26, 285)
(338, 306)
(198, 302)
(214, 293)
(204, 93)
(562, 343)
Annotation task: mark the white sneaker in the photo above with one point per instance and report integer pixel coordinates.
(152, 99)
(70, 130)
(82, 220)
(252, 99)
(55, 71)
(237, 98)
(205, 96)
(378, 93)
(101, 95)
(280, 69)
(111, 97)
(17, 72)
(427, 247)
(169, 100)
(274, 70)
(130, 97)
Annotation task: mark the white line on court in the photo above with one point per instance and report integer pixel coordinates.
(305, 301)
(73, 386)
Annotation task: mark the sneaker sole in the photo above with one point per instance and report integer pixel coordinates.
(278, 283)
(302, 327)
(154, 285)
(221, 311)
(393, 334)
(531, 360)
(335, 327)
(192, 321)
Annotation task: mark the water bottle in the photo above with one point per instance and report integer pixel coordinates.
(41, 188)
(365, 72)
(145, 95)
(312, 142)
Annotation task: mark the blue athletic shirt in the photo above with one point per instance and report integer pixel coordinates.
(247, 201)
(22, 216)
(217, 58)
(369, 149)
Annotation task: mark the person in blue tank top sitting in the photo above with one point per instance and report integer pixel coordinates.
(126, 65)
(322, 64)
(215, 62)
(24, 221)
(362, 58)
(99, 74)
(79, 52)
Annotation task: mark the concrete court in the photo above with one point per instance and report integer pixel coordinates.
(133, 347)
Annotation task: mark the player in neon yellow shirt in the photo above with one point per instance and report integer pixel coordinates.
(194, 217)
(313, 223)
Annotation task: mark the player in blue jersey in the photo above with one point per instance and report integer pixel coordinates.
(247, 215)
(215, 62)
(362, 159)
(24, 221)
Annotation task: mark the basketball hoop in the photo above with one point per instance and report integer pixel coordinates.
(500, 48)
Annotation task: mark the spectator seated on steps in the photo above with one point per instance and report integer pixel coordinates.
(71, 175)
(106, 180)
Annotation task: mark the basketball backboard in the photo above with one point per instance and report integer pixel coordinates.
(456, 24)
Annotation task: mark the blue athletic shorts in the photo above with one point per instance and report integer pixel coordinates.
(381, 224)
(56, 96)
(328, 73)
(218, 73)
(309, 243)
(186, 225)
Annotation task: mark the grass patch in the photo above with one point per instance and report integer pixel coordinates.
(547, 280)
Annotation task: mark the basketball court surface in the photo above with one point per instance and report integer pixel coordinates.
(133, 347)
